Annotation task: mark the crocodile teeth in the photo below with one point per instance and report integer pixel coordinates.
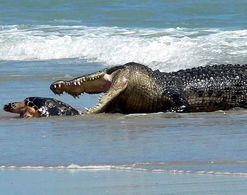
(59, 85)
(75, 83)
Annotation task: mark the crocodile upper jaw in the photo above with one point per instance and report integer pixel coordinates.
(111, 82)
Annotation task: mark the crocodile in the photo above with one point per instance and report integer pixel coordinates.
(136, 88)
(40, 107)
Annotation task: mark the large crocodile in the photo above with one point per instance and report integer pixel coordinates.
(135, 88)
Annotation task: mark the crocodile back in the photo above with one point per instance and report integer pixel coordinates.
(214, 87)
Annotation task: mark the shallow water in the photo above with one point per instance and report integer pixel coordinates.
(117, 182)
(191, 142)
(216, 140)
(113, 153)
(43, 41)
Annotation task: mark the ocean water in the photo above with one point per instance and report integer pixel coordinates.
(43, 41)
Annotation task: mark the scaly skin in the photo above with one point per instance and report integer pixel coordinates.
(135, 88)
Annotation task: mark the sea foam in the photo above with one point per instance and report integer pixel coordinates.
(126, 167)
(165, 49)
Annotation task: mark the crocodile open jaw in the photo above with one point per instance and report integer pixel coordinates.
(98, 82)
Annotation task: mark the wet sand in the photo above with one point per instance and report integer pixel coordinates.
(116, 182)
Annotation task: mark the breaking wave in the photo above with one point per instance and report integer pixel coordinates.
(166, 49)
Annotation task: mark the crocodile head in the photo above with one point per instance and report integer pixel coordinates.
(123, 87)
(111, 82)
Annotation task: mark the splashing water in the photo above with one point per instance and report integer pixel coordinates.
(165, 49)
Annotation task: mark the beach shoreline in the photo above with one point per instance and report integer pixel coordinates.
(116, 182)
